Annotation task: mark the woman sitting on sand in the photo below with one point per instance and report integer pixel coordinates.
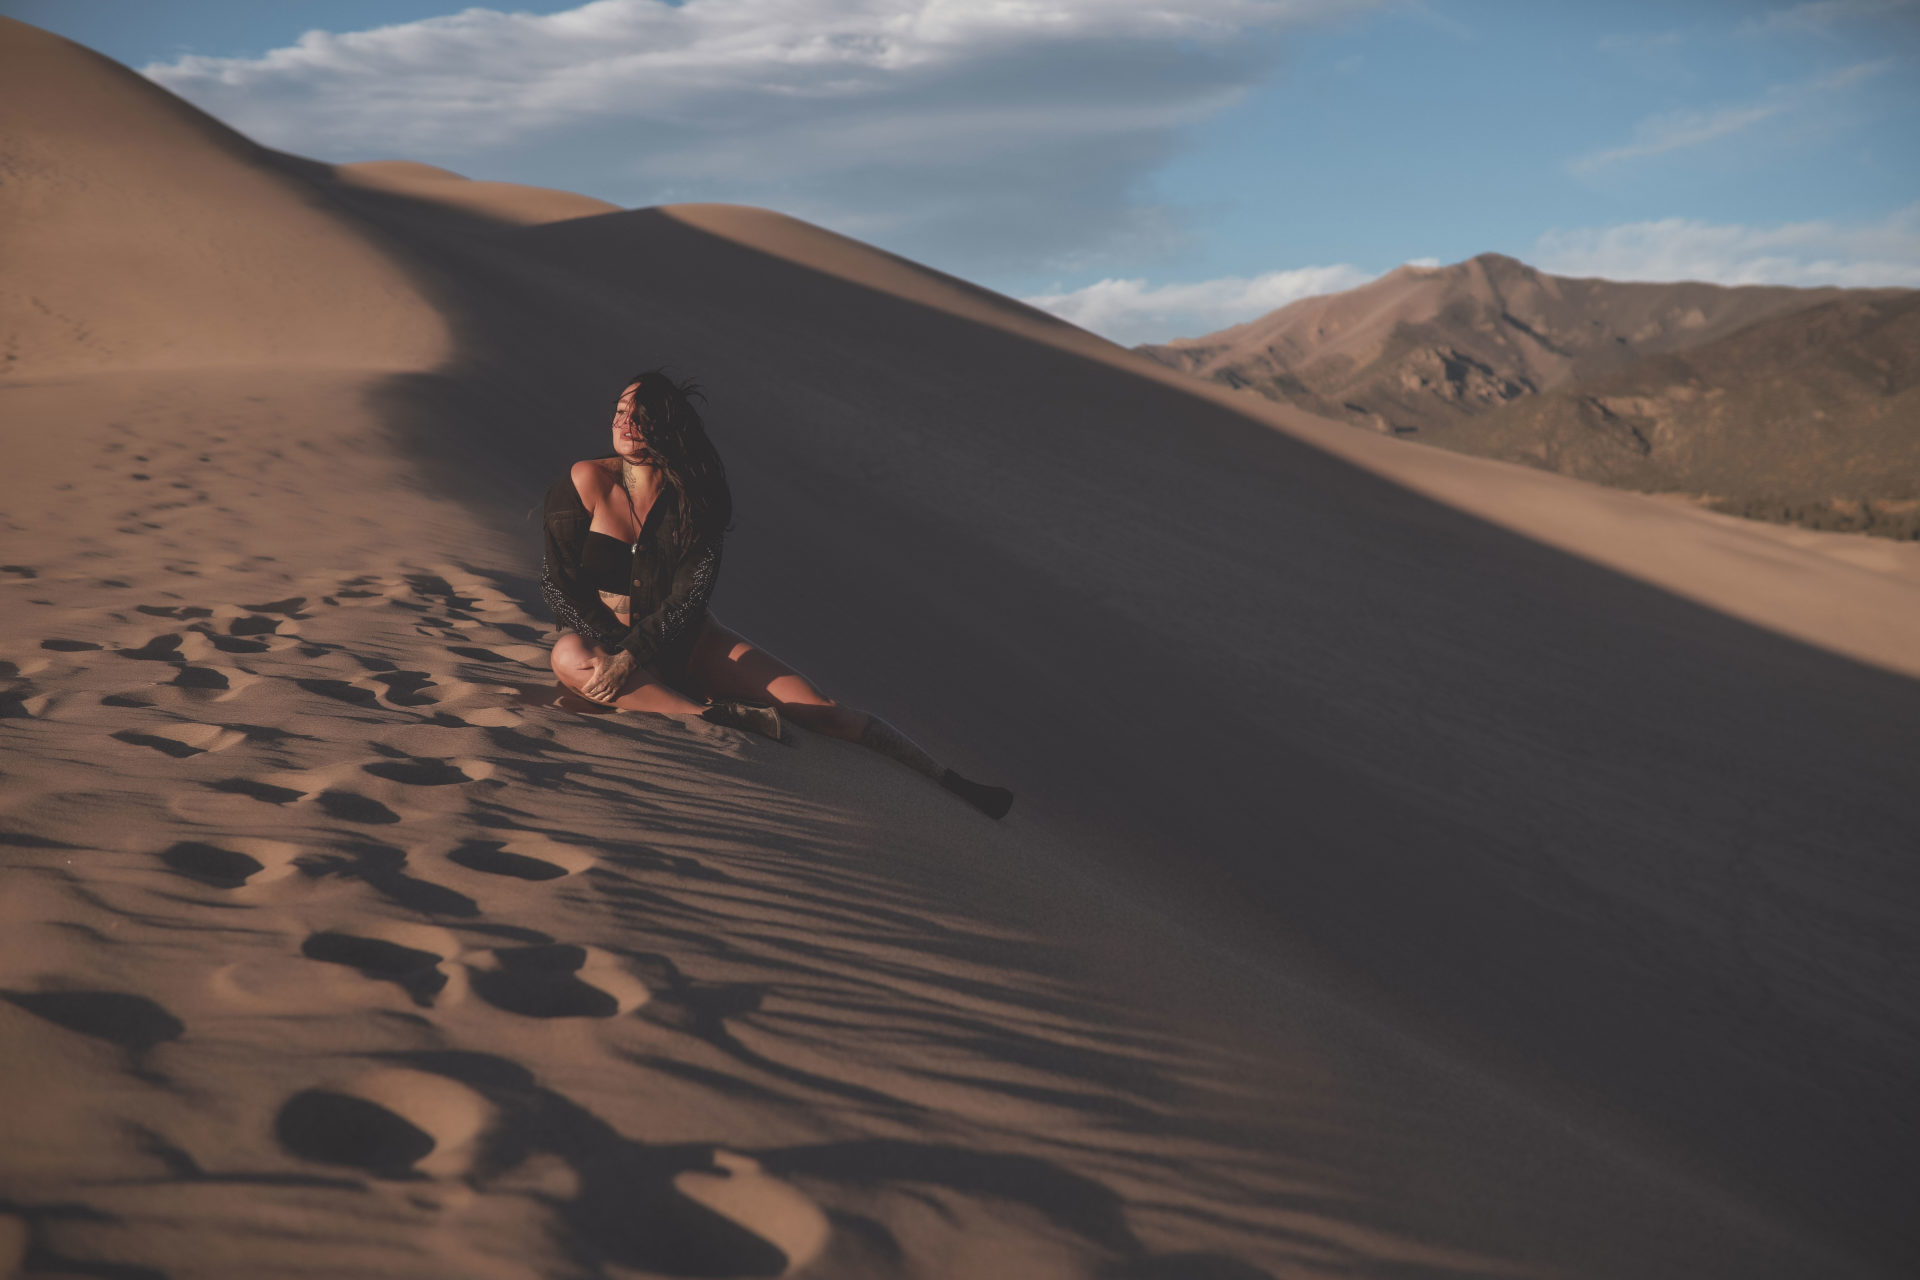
(633, 552)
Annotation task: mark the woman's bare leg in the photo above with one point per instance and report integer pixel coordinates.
(726, 666)
(573, 664)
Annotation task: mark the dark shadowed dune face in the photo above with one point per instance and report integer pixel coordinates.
(1424, 744)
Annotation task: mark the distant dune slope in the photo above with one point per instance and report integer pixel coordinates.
(137, 232)
(1590, 815)
(1493, 358)
(507, 201)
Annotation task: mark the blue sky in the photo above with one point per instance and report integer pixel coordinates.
(1150, 169)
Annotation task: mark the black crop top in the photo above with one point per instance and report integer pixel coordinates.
(606, 563)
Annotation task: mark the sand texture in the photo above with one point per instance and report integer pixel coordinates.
(1423, 866)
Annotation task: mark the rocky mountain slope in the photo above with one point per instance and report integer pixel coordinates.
(1786, 404)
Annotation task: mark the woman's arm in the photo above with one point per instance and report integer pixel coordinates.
(675, 622)
(575, 605)
(668, 630)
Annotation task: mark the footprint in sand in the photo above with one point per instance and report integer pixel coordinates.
(681, 1211)
(134, 1023)
(204, 737)
(161, 648)
(238, 638)
(736, 1188)
(214, 681)
(23, 704)
(392, 1123)
(385, 869)
(718, 1214)
(231, 631)
(342, 691)
(330, 788)
(197, 668)
(229, 803)
(291, 607)
(404, 688)
(557, 980)
(428, 771)
(254, 789)
(419, 959)
(351, 806)
(239, 861)
(525, 857)
(183, 740)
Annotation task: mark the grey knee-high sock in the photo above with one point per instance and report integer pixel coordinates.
(889, 741)
(895, 745)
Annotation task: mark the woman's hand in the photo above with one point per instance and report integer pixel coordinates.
(610, 671)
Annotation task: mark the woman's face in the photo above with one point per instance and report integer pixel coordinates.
(629, 435)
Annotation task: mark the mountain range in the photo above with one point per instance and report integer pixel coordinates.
(1793, 405)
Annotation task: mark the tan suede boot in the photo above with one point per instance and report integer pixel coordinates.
(745, 715)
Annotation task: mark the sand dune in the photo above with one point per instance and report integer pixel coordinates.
(141, 233)
(1423, 866)
(501, 201)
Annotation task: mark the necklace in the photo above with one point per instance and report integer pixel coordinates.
(638, 527)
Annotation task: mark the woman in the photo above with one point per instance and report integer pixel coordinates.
(633, 552)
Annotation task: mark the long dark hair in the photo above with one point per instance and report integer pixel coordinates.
(688, 463)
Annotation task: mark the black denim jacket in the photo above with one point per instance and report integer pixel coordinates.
(669, 591)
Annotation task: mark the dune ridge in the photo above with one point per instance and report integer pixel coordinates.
(198, 249)
(1392, 892)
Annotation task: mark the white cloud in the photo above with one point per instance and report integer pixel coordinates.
(1129, 312)
(1883, 253)
(1679, 130)
(1023, 123)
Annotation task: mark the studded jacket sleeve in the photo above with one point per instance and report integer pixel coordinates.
(576, 606)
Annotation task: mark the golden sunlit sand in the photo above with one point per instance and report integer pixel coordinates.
(1422, 867)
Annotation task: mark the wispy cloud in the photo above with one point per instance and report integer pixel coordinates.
(1824, 15)
(1676, 131)
(1131, 312)
(1638, 43)
(1876, 254)
(1681, 130)
(1021, 127)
